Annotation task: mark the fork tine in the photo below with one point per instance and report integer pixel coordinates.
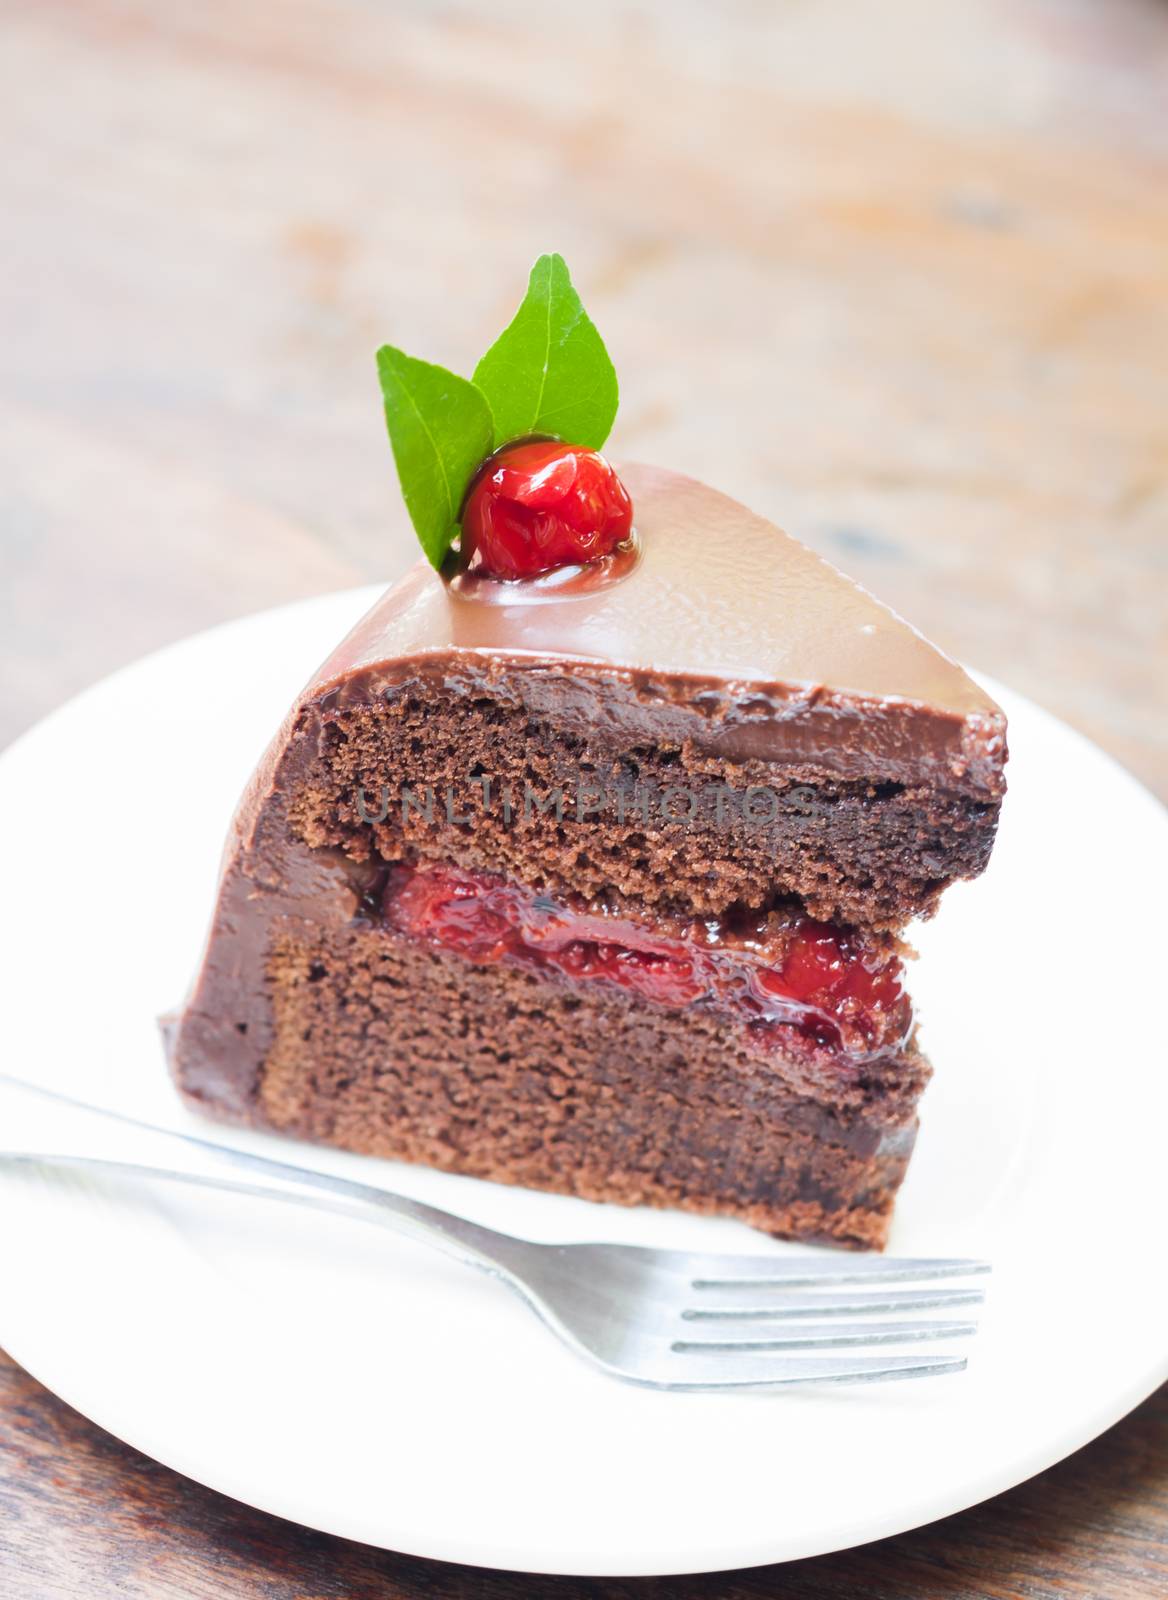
(830, 1305)
(716, 1272)
(762, 1371)
(825, 1336)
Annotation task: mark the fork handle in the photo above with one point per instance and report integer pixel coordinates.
(456, 1236)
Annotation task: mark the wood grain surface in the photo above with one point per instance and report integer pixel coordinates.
(82, 1516)
(896, 275)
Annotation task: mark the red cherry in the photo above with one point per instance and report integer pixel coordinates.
(538, 506)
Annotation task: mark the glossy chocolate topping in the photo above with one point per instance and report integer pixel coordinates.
(725, 631)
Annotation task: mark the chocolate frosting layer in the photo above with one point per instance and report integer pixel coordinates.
(726, 631)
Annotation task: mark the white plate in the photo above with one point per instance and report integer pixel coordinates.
(366, 1387)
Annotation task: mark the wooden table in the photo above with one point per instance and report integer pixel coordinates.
(895, 275)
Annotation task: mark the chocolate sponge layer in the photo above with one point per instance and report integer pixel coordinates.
(464, 776)
(392, 1048)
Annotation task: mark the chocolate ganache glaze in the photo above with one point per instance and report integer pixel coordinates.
(726, 632)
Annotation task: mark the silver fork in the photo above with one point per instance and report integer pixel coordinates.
(669, 1319)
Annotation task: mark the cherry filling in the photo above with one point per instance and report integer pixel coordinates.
(777, 969)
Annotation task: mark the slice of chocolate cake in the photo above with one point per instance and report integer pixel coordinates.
(587, 874)
(590, 888)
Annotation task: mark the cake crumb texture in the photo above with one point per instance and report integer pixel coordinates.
(866, 854)
(394, 1049)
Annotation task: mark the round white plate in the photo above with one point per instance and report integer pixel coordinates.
(363, 1386)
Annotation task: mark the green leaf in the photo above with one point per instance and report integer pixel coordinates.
(549, 372)
(441, 429)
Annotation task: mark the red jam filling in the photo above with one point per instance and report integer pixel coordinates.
(792, 971)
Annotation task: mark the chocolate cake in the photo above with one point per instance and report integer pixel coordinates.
(596, 890)
(593, 880)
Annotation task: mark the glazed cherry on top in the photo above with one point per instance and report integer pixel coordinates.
(543, 505)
